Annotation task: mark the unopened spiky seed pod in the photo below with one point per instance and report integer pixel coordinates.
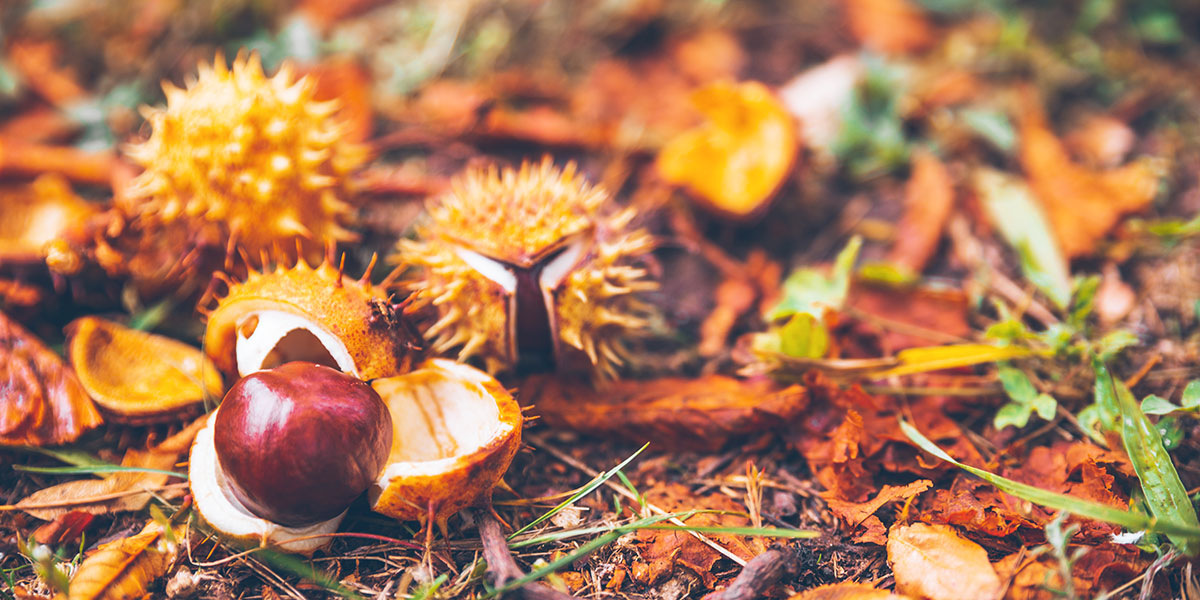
(257, 154)
(530, 268)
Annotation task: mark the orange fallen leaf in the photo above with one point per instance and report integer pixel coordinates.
(847, 591)
(928, 200)
(700, 413)
(935, 562)
(889, 26)
(126, 568)
(121, 491)
(346, 81)
(854, 513)
(37, 62)
(41, 401)
(1082, 204)
(664, 551)
(735, 161)
(64, 529)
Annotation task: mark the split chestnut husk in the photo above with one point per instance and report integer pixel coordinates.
(456, 431)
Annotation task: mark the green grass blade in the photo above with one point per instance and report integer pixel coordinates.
(1130, 520)
(585, 490)
(94, 469)
(1164, 492)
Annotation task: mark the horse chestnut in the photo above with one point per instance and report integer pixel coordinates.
(298, 443)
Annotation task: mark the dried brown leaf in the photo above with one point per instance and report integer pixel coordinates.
(700, 413)
(664, 551)
(854, 513)
(41, 400)
(122, 491)
(126, 568)
(935, 562)
(1082, 204)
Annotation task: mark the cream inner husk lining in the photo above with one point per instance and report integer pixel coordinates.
(437, 417)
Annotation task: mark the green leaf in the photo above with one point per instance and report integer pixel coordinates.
(1155, 405)
(993, 126)
(1113, 343)
(1015, 414)
(813, 292)
(1016, 384)
(1083, 300)
(1191, 394)
(1129, 519)
(1013, 210)
(1045, 405)
(94, 469)
(1165, 495)
(803, 337)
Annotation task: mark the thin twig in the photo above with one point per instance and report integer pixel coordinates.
(590, 472)
(501, 566)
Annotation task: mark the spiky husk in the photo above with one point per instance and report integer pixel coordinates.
(256, 154)
(376, 335)
(515, 216)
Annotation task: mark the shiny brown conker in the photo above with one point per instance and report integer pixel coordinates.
(298, 443)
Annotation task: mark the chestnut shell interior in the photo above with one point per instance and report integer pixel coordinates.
(435, 417)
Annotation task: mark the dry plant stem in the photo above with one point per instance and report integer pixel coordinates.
(24, 158)
(560, 455)
(759, 575)
(501, 565)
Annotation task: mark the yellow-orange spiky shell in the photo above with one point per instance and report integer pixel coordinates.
(360, 315)
(517, 217)
(257, 154)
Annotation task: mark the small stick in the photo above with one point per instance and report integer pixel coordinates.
(26, 158)
(502, 567)
(759, 575)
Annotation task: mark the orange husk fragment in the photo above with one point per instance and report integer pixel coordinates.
(1083, 205)
(738, 158)
(701, 414)
(139, 377)
(36, 215)
(41, 401)
(456, 431)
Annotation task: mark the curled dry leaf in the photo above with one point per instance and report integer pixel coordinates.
(847, 591)
(680, 413)
(126, 568)
(854, 513)
(738, 158)
(935, 562)
(1082, 204)
(41, 400)
(136, 376)
(121, 491)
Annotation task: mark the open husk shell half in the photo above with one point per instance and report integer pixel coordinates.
(139, 377)
(312, 314)
(456, 431)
